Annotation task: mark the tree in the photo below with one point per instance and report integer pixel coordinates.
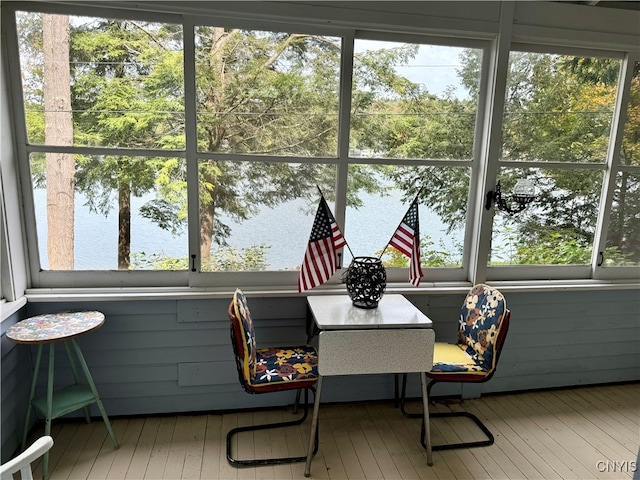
(269, 94)
(429, 127)
(276, 94)
(58, 131)
(128, 86)
(557, 109)
(262, 93)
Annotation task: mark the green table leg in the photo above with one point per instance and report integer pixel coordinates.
(47, 425)
(32, 394)
(76, 377)
(103, 412)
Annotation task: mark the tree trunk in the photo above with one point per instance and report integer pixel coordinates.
(60, 167)
(124, 226)
(206, 235)
(214, 101)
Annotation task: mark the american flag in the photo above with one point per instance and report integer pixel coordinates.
(407, 240)
(320, 258)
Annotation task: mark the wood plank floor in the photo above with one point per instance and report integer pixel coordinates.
(581, 433)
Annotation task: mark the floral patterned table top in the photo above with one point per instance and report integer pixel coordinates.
(52, 327)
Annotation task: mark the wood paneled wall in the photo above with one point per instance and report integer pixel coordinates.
(175, 355)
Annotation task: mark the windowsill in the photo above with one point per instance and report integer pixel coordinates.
(186, 293)
(9, 308)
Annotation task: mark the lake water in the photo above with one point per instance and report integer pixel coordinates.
(285, 229)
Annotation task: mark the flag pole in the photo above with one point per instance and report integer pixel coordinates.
(415, 199)
(345, 240)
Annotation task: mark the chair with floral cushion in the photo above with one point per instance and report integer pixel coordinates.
(482, 328)
(264, 370)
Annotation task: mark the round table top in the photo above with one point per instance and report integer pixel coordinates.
(54, 327)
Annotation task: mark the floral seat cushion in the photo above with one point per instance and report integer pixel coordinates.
(285, 365)
(268, 369)
(478, 326)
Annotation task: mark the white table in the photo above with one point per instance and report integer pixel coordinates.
(353, 341)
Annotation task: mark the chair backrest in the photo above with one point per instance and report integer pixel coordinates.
(483, 324)
(22, 463)
(243, 338)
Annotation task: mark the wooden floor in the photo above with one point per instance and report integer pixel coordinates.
(581, 433)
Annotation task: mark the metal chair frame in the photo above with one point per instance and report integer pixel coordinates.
(306, 386)
(466, 378)
(271, 461)
(448, 446)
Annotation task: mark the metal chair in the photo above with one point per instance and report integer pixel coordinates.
(483, 325)
(267, 370)
(22, 463)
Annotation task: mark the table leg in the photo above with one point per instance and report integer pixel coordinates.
(103, 412)
(396, 390)
(76, 377)
(314, 427)
(425, 421)
(32, 394)
(47, 421)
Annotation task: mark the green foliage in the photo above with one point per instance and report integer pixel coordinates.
(225, 259)
(554, 248)
(233, 259)
(430, 256)
(559, 108)
(128, 84)
(157, 261)
(439, 257)
(270, 93)
(615, 257)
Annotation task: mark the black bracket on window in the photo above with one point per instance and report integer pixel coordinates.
(193, 263)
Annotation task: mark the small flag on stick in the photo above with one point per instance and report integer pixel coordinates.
(326, 239)
(407, 240)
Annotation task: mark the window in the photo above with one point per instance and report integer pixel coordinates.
(166, 149)
(413, 111)
(125, 213)
(557, 122)
(269, 98)
(104, 84)
(623, 240)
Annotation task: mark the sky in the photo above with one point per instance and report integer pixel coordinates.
(435, 66)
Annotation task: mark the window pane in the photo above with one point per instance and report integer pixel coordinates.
(257, 216)
(630, 152)
(442, 213)
(414, 101)
(558, 108)
(100, 82)
(557, 228)
(623, 239)
(267, 93)
(97, 213)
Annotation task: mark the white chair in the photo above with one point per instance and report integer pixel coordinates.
(22, 463)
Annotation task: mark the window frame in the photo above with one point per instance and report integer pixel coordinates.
(483, 163)
(599, 271)
(610, 167)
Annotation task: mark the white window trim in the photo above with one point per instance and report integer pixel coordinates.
(478, 229)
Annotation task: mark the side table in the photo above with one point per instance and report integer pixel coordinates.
(50, 329)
